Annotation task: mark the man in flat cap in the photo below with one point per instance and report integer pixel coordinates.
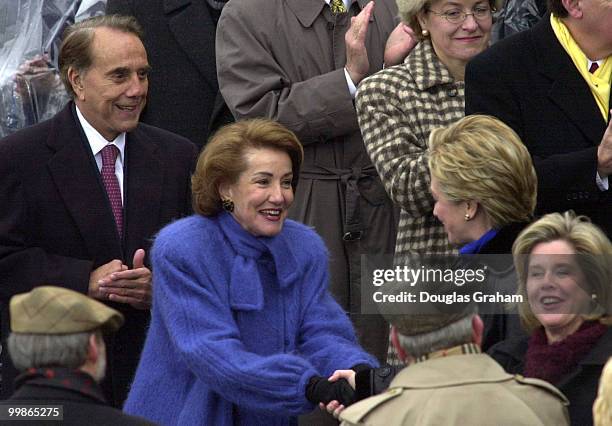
(450, 381)
(56, 342)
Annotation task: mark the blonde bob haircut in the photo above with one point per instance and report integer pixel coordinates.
(480, 158)
(224, 159)
(594, 257)
(409, 9)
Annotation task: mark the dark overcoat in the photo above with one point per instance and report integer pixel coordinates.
(530, 83)
(579, 386)
(56, 223)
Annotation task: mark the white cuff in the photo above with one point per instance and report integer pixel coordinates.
(602, 183)
(351, 86)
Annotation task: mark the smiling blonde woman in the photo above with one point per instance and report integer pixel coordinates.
(564, 269)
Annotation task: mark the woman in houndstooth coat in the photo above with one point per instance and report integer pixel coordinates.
(399, 106)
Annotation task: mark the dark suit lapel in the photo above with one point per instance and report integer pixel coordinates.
(568, 90)
(79, 186)
(194, 30)
(143, 190)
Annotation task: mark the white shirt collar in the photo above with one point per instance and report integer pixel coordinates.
(97, 141)
(600, 63)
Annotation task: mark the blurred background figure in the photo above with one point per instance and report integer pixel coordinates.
(244, 330)
(516, 16)
(179, 37)
(30, 35)
(602, 409)
(56, 343)
(564, 268)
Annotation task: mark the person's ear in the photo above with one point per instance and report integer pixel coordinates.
(401, 353)
(93, 349)
(225, 191)
(76, 82)
(423, 22)
(477, 330)
(573, 7)
(471, 209)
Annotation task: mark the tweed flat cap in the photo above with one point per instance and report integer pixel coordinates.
(57, 310)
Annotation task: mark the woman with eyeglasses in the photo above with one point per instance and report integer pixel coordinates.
(399, 106)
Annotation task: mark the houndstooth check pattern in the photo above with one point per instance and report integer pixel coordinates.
(111, 183)
(397, 109)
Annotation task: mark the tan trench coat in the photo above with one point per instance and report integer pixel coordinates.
(461, 390)
(284, 59)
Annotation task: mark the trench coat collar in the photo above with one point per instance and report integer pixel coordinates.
(308, 10)
(451, 371)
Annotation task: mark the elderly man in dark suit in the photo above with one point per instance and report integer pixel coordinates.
(551, 84)
(81, 195)
(179, 36)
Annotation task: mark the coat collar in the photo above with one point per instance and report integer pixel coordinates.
(451, 371)
(194, 30)
(426, 68)
(567, 85)
(307, 10)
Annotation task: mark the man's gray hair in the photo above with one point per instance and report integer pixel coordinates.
(44, 350)
(454, 334)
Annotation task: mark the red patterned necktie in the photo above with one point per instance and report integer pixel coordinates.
(594, 67)
(111, 183)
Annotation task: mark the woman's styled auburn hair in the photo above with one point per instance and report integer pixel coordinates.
(223, 160)
(593, 256)
(480, 158)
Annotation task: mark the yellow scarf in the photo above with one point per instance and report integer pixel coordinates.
(599, 82)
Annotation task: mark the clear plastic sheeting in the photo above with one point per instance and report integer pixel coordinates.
(30, 36)
(516, 16)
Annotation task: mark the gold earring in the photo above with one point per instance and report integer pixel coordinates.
(228, 205)
(425, 33)
(467, 217)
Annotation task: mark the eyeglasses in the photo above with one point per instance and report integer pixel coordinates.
(457, 16)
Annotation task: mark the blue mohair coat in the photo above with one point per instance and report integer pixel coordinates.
(239, 325)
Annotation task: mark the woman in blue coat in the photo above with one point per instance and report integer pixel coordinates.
(243, 329)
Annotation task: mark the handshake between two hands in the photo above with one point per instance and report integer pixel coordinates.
(332, 394)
